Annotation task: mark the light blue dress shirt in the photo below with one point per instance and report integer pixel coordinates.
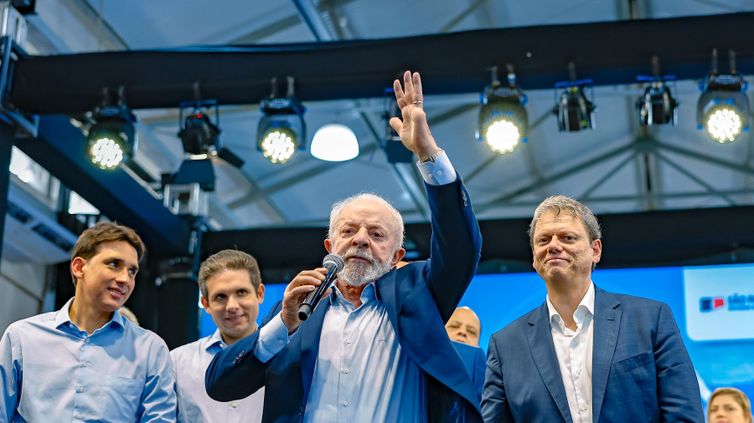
(51, 371)
(194, 405)
(361, 374)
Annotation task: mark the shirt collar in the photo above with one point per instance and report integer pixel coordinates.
(214, 341)
(63, 316)
(369, 293)
(587, 304)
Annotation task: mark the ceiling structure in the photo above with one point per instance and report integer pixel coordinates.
(618, 167)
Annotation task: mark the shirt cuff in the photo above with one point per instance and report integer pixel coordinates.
(272, 338)
(439, 172)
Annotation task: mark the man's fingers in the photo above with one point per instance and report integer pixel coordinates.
(408, 84)
(417, 84)
(301, 291)
(396, 124)
(398, 90)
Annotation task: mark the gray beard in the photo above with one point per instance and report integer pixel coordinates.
(359, 274)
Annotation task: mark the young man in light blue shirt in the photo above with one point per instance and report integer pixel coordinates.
(232, 289)
(86, 362)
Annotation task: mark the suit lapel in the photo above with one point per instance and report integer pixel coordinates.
(607, 317)
(310, 333)
(386, 287)
(546, 360)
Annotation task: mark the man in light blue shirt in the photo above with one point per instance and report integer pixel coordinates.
(86, 362)
(232, 289)
(375, 349)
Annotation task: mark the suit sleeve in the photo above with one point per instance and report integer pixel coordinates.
(237, 371)
(455, 246)
(677, 386)
(494, 402)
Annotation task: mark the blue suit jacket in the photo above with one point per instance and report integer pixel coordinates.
(419, 298)
(473, 359)
(641, 371)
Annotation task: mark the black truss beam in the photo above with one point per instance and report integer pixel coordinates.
(608, 52)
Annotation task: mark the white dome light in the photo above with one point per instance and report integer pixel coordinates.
(334, 143)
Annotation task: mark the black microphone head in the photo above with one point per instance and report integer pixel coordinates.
(334, 260)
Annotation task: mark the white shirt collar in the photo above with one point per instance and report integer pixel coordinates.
(586, 304)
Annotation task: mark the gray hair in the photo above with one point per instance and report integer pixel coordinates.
(337, 209)
(561, 203)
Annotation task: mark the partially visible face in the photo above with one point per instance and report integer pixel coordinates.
(365, 236)
(562, 250)
(464, 326)
(725, 409)
(106, 280)
(233, 303)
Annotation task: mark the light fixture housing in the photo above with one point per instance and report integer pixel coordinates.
(111, 136)
(723, 108)
(503, 121)
(281, 129)
(575, 112)
(334, 142)
(200, 136)
(657, 106)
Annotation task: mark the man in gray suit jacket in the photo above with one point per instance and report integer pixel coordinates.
(586, 355)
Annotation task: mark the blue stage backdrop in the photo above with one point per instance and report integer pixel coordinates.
(713, 305)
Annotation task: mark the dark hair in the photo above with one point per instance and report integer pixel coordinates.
(87, 246)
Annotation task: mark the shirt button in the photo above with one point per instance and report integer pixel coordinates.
(80, 389)
(346, 371)
(345, 403)
(233, 404)
(584, 407)
(348, 341)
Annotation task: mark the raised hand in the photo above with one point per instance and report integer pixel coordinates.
(413, 128)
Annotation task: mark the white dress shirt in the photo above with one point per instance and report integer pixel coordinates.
(574, 351)
(194, 405)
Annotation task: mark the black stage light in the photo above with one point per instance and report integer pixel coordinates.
(574, 110)
(111, 136)
(281, 129)
(503, 121)
(201, 136)
(723, 108)
(657, 106)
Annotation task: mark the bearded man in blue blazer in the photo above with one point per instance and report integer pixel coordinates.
(375, 349)
(586, 355)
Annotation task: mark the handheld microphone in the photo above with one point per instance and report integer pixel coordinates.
(334, 264)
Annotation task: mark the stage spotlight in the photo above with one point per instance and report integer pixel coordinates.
(573, 109)
(723, 108)
(200, 136)
(334, 142)
(282, 129)
(657, 105)
(503, 119)
(111, 135)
